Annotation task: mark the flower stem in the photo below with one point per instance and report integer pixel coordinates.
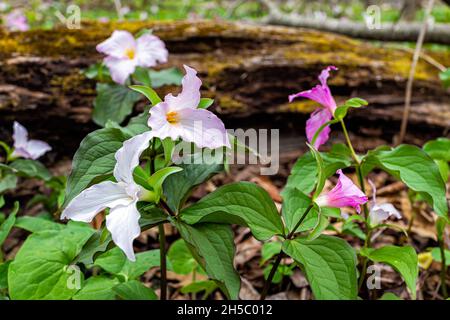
(443, 269)
(162, 254)
(268, 282)
(349, 142)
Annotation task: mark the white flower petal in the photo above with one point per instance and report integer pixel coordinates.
(120, 69)
(117, 45)
(190, 93)
(91, 201)
(161, 128)
(127, 156)
(36, 148)
(382, 212)
(150, 50)
(20, 135)
(123, 223)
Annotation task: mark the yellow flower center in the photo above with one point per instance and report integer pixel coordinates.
(172, 117)
(130, 53)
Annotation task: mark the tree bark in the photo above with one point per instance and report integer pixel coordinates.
(249, 71)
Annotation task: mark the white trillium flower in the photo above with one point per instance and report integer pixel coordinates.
(25, 148)
(121, 197)
(381, 212)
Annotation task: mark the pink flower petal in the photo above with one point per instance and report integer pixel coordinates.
(320, 93)
(318, 118)
(190, 94)
(150, 50)
(16, 21)
(28, 149)
(120, 69)
(117, 45)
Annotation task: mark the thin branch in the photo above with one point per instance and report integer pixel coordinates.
(412, 72)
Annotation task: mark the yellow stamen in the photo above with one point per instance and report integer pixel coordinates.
(130, 53)
(172, 117)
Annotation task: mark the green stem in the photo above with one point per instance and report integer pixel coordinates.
(349, 142)
(268, 282)
(162, 253)
(443, 269)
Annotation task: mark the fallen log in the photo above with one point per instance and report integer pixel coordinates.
(249, 70)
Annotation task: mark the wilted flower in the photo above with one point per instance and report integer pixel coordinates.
(321, 94)
(28, 149)
(179, 117)
(124, 53)
(344, 194)
(381, 212)
(121, 197)
(16, 21)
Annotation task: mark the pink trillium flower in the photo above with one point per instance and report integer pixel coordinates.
(28, 149)
(124, 53)
(344, 194)
(322, 95)
(16, 21)
(179, 116)
(121, 197)
(381, 212)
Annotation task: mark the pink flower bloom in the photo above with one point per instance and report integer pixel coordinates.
(344, 194)
(124, 53)
(178, 116)
(28, 149)
(381, 212)
(121, 197)
(16, 21)
(321, 94)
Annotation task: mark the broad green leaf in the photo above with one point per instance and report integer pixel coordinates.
(4, 274)
(438, 149)
(205, 103)
(282, 271)
(7, 182)
(157, 179)
(134, 290)
(31, 169)
(403, 259)
(177, 187)
(138, 124)
(212, 245)
(113, 102)
(97, 288)
(148, 92)
(115, 262)
(142, 75)
(321, 225)
(389, 296)
(208, 286)
(150, 215)
(269, 250)
(341, 111)
(165, 77)
(329, 264)
(436, 254)
(321, 176)
(417, 170)
(242, 203)
(97, 243)
(294, 206)
(6, 226)
(39, 271)
(181, 258)
(37, 224)
(94, 158)
(168, 146)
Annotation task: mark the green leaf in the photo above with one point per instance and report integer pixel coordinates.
(403, 259)
(134, 290)
(389, 296)
(7, 182)
(31, 169)
(417, 170)
(115, 262)
(113, 102)
(142, 75)
(436, 254)
(178, 186)
(294, 206)
(94, 158)
(329, 264)
(438, 149)
(97, 288)
(166, 77)
(7, 225)
(321, 224)
(445, 78)
(39, 270)
(37, 224)
(4, 274)
(321, 176)
(157, 179)
(212, 245)
(269, 250)
(181, 258)
(208, 286)
(341, 111)
(148, 92)
(242, 203)
(205, 103)
(138, 124)
(97, 243)
(150, 215)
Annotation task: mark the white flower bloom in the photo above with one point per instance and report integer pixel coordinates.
(381, 212)
(28, 149)
(121, 197)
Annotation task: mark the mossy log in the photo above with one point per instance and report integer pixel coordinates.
(249, 70)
